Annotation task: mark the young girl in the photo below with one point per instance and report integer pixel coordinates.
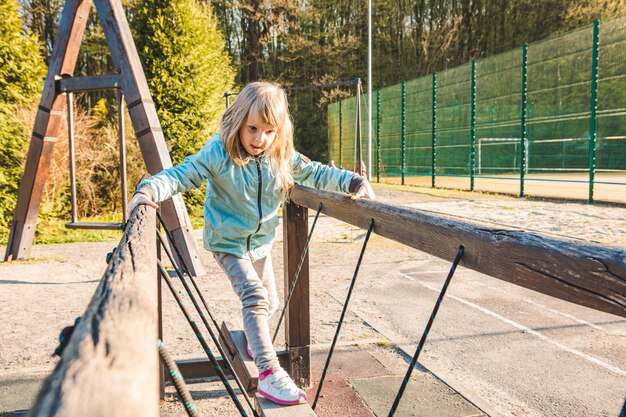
(250, 167)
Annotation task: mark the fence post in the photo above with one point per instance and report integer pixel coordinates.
(378, 135)
(472, 125)
(434, 132)
(593, 128)
(340, 134)
(523, 149)
(358, 144)
(403, 118)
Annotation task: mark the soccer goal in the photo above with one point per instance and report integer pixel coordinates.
(501, 155)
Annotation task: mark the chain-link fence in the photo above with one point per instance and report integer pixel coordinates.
(547, 119)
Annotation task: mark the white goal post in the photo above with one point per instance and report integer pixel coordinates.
(503, 141)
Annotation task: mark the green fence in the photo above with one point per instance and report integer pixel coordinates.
(547, 119)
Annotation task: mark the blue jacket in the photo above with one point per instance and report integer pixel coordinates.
(242, 201)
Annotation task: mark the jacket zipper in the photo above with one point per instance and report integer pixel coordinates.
(258, 168)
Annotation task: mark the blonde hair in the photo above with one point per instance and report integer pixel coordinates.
(269, 101)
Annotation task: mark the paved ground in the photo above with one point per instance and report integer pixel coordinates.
(510, 351)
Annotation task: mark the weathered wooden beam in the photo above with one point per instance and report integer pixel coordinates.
(234, 346)
(88, 83)
(110, 366)
(587, 274)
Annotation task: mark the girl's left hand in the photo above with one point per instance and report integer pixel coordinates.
(365, 191)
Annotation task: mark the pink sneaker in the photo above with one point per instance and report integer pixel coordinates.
(276, 385)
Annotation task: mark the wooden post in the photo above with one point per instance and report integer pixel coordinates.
(47, 122)
(297, 319)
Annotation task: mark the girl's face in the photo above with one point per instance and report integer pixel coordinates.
(255, 135)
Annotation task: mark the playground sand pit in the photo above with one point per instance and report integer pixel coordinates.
(46, 293)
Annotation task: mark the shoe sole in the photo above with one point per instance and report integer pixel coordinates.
(301, 399)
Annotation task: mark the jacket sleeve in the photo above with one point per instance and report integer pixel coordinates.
(190, 174)
(316, 175)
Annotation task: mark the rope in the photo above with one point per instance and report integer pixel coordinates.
(420, 345)
(183, 263)
(229, 366)
(205, 346)
(297, 274)
(343, 313)
(179, 382)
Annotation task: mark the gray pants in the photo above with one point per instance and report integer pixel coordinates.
(255, 285)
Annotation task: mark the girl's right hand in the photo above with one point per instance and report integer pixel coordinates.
(365, 191)
(138, 199)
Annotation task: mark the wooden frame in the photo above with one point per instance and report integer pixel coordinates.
(111, 365)
(132, 81)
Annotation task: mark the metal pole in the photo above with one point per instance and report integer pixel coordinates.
(72, 155)
(227, 98)
(340, 133)
(403, 120)
(593, 128)
(369, 90)
(523, 148)
(378, 135)
(359, 154)
(473, 125)
(122, 140)
(434, 131)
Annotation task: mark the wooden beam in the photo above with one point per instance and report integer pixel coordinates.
(298, 315)
(88, 83)
(587, 274)
(234, 346)
(110, 366)
(266, 408)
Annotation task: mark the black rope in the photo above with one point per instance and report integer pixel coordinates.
(205, 346)
(420, 345)
(297, 274)
(186, 270)
(229, 366)
(343, 313)
(179, 382)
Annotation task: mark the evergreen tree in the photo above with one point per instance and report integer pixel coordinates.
(187, 67)
(21, 73)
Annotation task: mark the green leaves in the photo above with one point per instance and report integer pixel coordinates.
(188, 70)
(21, 73)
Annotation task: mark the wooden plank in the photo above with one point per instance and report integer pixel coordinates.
(89, 83)
(587, 274)
(110, 366)
(298, 316)
(234, 346)
(267, 408)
